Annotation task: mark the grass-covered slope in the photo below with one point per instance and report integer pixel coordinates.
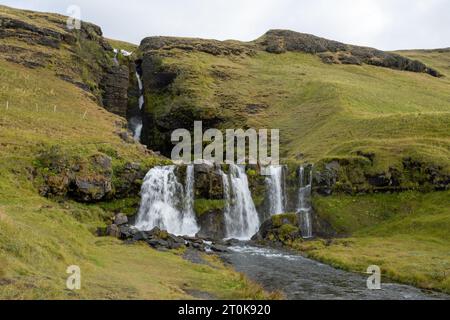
(379, 129)
(324, 111)
(406, 235)
(40, 237)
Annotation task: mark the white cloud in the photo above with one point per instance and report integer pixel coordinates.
(385, 24)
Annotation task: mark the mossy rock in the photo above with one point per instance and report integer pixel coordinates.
(284, 219)
(203, 206)
(283, 228)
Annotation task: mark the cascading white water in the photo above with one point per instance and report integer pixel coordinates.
(189, 222)
(241, 218)
(165, 205)
(275, 190)
(116, 53)
(304, 202)
(136, 122)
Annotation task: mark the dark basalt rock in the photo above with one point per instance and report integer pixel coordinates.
(208, 182)
(212, 225)
(115, 90)
(213, 47)
(160, 239)
(120, 219)
(280, 41)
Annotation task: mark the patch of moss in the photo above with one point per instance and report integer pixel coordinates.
(127, 206)
(288, 232)
(283, 219)
(202, 206)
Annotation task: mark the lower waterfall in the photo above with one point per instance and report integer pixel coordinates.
(275, 188)
(166, 204)
(304, 202)
(241, 218)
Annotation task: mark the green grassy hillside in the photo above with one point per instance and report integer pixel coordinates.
(40, 237)
(323, 110)
(365, 120)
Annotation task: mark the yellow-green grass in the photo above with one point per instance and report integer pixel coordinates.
(323, 110)
(40, 238)
(405, 234)
(123, 45)
(437, 58)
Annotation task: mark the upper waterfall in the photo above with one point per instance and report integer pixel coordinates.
(166, 204)
(136, 122)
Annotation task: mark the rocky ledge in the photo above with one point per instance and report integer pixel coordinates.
(159, 239)
(281, 41)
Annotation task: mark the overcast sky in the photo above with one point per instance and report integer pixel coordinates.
(384, 24)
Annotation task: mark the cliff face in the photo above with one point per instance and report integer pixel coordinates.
(82, 57)
(281, 41)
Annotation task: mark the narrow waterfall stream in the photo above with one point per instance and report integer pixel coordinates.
(136, 121)
(275, 187)
(241, 218)
(304, 202)
(166, 204)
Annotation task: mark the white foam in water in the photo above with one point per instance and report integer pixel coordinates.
(266, 252)
(165, 205)
(275, 190)
(241, 219)
(304, 202)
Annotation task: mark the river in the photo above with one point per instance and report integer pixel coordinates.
(300, 278)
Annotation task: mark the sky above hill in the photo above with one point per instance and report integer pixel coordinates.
(384, 24)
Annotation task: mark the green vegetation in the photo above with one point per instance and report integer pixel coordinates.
(405, 234)
(283, 219)
(50, 121)
(202, 206)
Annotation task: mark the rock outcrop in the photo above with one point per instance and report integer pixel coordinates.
(159, 239)
(279, 229)
(87, 180)
(81, 57)
(357, 175)
(115, 89)
(281, 41)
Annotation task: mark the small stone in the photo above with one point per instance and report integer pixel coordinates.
(113, 231)
(120, 219)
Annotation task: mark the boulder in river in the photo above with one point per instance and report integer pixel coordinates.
(283, 228)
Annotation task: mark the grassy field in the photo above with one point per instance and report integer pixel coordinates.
(322, 110)
(405, 234)
(40, 238)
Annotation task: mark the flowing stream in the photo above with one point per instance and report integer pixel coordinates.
(166, 204)
(300, 278)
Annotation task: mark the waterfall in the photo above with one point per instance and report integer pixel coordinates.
(136, 122)
(116, 53)
(275, 190)
(166, 204)
(304, 202)
(241, 219)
